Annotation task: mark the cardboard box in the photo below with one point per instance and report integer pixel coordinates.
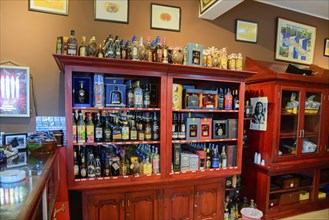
(115, 95)
(185, 161)
(99, 91)
(114, 80)
(205, 128)
(321, 195)
(177, 96)
(219, 128)
(232, 128)
(194, 54)
(304, 195)
(192, 98)
(84, 81)
(194, 162)
(176, 157)
(209, 99)
(192, 128)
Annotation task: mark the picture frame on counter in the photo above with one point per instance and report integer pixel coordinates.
(113, 11)
(14, 91)
(295, 42)
(326, 47)
(246, 31)
(165, 17)
(59, 7)
(16, 140)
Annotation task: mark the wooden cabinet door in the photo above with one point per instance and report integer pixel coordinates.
(178, 203)
(101, 207)
(208, 200)
(142, 205)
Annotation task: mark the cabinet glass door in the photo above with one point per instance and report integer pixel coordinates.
(288, 140)
(311, 131)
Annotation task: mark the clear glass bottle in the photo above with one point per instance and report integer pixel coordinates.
(146, 96)
(134, 48)
(109, 47)
(155, 128)
(138, 95)
(156, 161)
(223, 157)
(164, 51)
(72, 44)
(147, 167)
(82, 48)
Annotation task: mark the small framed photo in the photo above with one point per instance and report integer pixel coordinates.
(59, 7)
(205, 4)
(295, 42)
(114, 10)
(165, 17)
(246, 31)
(21, 160)
(16, 140)
(14, 91)
(219, 129)
(259, 113)
(326, 47)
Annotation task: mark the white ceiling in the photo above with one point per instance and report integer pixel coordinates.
(316, 8)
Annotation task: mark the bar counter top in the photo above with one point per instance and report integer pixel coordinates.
(19, 200)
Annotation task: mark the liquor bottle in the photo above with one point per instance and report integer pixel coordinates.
(107, 132)
(109, 47)
(116, 96)
(146, 96)
(91, 168)
(117, 54)
(236, 100)
(164, 51)
(140, 131)
(116, 130)
(72, 44)
(81, 94)
(98, 129)
(107, 169)
(99, 51)
(82, 48)
(208, 159)
(130, 95)
(90, 132)
(182, 129)
(156, 161)
(147, 167)
(228, 100)
(221, 99)
(115, 166)
(142, 52)
(154, 49)
(128, 51)
(174, 127)
(252, 204)
(155, 128)
(98, 167)
(81, 130)
(134, 48)
(215, 159)
(148, 48)
(138, 95)
(148, 129)
(125, 130)
(223, 158)
(74, 129)
(133, 131)
(83, 168)
(158, 49)
(91, 47)
(76, 165)
(123, 50)
(123, 164)
(247, 110)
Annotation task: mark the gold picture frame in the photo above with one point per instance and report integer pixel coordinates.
(246, 31)
(326, 47)
(205, 4)
(113, 11)
(165, 17)
(60, 7)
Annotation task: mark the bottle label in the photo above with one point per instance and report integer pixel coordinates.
(74, 134)
(90, 134)
(133, 135)
(138, 100)
(91, 171)
(155, 164)
(117, 135)
(83, 172)
(215, 162)
(224, 163)
(83, 52)
(107, 135)
(148, 168)
(76, 170)
(81, 134)
(130, 99)
(115, 166)
(98, 171)
(125, 133)
(99, 133)
(141, 136)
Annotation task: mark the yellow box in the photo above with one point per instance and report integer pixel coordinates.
(177, 96)
(321, 195)
(304, 195)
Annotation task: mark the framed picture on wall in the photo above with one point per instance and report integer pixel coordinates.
(326, 47)
(205, 4)
(165, 17)
(60, 7)
(14, 91)
(295, 42)
(246, 31)
(114, 11)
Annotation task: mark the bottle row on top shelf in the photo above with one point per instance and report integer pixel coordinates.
(152, 51)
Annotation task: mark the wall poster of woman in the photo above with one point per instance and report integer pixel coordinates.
(259, 113)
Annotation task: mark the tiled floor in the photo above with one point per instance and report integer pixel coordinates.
(317, 215)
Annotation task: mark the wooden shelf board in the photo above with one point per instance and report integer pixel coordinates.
(205, 110)
(201, 141)
(289, 190)
(117, 143)
(115, 109)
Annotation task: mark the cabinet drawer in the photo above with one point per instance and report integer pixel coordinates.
(288, 198)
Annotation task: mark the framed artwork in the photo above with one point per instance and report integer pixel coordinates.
(246, 31)
(60, 7)
(16, 140)
(326, 47)
(259, 113)
(114, 11)
(165, 17)
(14, 91)
(205, 4)
(295, 42)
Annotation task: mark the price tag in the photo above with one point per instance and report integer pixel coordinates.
(148, 174)
(77, 180)
(100, 178)
(211, 170)
(83, 180)
(115, 177)
(91, 179)
(106, 178)
(125, 176)
(183, 171)
(193, 171)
